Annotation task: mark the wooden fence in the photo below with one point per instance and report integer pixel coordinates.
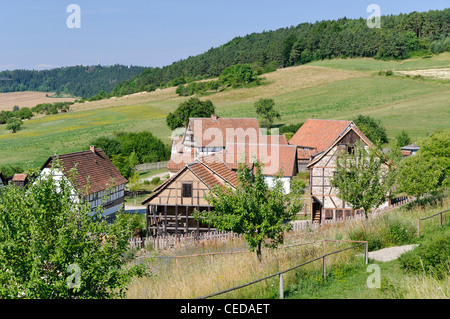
(168, 241)
(150, 166)
(440, 220)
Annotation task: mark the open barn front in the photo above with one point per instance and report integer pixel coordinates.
(175, 219)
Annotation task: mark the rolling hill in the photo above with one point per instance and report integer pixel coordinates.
(341, 90)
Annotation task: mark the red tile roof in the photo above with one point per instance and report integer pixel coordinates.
(93, 167)
(318, 134)
(210, 132)
(19, 177)
(211, 170)
(273, 156)
(351, 127)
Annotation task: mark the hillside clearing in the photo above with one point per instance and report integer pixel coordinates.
(27, 99)
(415, 105)
(429, 73)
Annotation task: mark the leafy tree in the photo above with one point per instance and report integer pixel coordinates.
(111, 146)
(436, 146)
(134, 183)
(371, 128)
(187, 109)
(403, 139)
(265, 109)
(14, 124)
(418, 176)
(238, 75)
(52, 247)
(254, 210)
(362, 179)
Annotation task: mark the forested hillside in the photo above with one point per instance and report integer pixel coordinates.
(79, 81)
(400, 37)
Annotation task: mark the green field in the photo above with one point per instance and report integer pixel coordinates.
(333, 89)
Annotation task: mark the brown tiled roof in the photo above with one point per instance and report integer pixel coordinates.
(180, 160)
(95, 167)
(303, 154)
(318, 134)
(19, 177)
(211, 170)
(273, 156)
(210, 132)
(217, 165)
(351, 127)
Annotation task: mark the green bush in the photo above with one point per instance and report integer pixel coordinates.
(433, 255)
(155, 180)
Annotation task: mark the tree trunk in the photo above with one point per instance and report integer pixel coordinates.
(258, 252)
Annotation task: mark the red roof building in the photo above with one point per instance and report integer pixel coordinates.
(97, 180)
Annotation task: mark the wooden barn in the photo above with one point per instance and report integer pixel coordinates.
(324, 202)
(170, 207)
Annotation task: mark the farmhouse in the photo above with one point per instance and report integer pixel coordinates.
(170, 207)
(314, 137)
(230, 139)
(279, 160)
(324, 202)
(97, 181)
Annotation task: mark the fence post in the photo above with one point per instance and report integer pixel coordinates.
(324, 269)
(366, 252)
(281, 286)
(440, 217)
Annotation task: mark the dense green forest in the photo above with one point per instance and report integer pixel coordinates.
(400, 36)
(78, 81)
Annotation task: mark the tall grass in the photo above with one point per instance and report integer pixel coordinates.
(202, 275)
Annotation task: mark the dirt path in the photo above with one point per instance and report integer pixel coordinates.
(390, 253)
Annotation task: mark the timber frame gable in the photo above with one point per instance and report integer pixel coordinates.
(325, 204)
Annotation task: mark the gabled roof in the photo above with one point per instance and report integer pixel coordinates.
(352, 127)
(216, 131)
(93, 166)
(318, 134)
(273, 156)
(210, 170)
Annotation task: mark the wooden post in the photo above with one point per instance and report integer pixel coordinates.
(280, 280)
(440, 217)
(366, 252)
(324, 269)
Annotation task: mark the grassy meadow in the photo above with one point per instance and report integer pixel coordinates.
(347, 273)
(333, 89)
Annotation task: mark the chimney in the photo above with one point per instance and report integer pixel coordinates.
(92, 148)
(214, 117)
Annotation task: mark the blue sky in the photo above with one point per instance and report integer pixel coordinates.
(34, 34)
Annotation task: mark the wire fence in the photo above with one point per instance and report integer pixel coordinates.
(280, 273)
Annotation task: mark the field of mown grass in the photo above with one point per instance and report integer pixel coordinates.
(334, 89)
(346, 272)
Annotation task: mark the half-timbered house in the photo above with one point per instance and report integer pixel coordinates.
(97, 180)
(170, 207)
(325, 204)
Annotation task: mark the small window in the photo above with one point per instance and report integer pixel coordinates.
(187, 190)
(350, 149)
